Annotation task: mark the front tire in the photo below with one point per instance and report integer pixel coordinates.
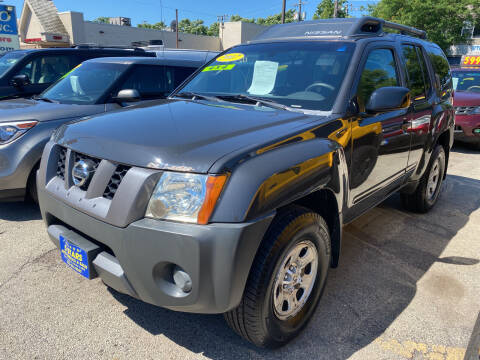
(286, 280)
(428, 190)
(32, 186)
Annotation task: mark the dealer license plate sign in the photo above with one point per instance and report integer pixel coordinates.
(75, 257)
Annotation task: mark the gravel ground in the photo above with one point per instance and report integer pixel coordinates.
(407, 288)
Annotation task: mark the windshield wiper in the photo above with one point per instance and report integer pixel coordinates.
(195, 96)
(44, 99)
(255, 100)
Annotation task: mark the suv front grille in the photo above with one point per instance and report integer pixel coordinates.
(463, 110)
(115, 181)
(62, 157)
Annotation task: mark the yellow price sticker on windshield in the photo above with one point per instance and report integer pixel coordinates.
(230, 57)
(219, 67)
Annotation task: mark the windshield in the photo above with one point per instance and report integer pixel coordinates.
(303, 75)
(85, 84)
(8, 60)
(466, 81)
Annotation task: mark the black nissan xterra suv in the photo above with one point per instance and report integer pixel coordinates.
(230, 196)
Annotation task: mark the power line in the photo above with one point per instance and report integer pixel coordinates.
(221, 19)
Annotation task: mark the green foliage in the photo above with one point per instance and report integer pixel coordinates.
(102, 20)
(326, 9)
(372, 80)
(277, 18)
(239, 18)
(214, 29)
(441, 19)
(192, 27)
(187, 26)
(270, 20)
(157, 26)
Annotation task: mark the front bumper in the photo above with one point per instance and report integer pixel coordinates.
(465, 126)
(136, 259)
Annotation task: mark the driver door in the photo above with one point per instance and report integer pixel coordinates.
(380, 142)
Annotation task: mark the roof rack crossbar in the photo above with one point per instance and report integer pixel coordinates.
(364, 26)
(404, 29)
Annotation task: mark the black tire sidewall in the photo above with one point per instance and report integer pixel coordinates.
(438, 153)
(281, 331)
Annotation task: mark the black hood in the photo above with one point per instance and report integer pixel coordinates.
(179, 135)
(28, 109)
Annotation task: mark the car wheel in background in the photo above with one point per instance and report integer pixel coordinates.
(428, 190)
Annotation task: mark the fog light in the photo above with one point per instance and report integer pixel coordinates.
(182, 279)
(476, 131)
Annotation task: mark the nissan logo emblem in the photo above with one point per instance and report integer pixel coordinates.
(82, 172)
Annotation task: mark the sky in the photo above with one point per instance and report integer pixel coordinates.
(153, 11)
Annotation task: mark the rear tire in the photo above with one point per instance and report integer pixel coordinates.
(286, 280)
(426, 195)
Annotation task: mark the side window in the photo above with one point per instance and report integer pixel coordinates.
(379, 71)
(415, 74)
(443, 77)
(423, 64)
(176, 75)
(149, 81)
(47, 69)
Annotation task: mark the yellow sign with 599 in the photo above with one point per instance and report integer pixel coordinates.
(470, 61)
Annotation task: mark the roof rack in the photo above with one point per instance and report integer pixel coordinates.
(351, 27)
(404, 29)
(114, 47)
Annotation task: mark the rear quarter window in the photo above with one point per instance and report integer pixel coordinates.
(443, 76)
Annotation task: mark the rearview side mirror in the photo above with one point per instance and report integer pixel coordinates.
(127, 95)
(388, 98)
(20, 81)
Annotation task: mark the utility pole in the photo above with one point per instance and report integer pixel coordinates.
(300, 3)
(335, 9)
(176, 27)
(221, 25)
(283, 11)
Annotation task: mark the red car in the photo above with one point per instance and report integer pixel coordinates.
(466, 82)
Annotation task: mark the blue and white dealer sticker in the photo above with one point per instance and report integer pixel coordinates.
(75, 257)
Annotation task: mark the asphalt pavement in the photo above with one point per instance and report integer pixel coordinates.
(407, 287)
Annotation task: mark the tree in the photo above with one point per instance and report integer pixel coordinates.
(270, 20)
(277, 18)
(326, 9)
(242, 19)
(102, 20)
(192, 27)
(214, 29)
(443, 20)
(157, 26)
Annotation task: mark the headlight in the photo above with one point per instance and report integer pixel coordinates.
(12, 131)
(185, 197)
(475, 111)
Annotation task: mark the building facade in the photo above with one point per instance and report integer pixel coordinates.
(41, 25)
